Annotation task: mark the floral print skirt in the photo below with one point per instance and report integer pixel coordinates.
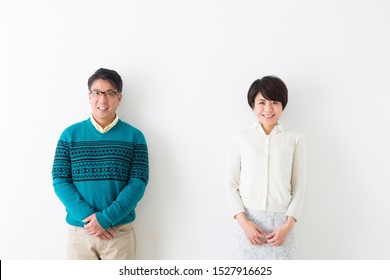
(268, 221)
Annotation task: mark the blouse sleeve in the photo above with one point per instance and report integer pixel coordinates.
(298, 178)
(233, 178)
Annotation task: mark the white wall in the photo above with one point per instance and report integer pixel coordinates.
(187, 66)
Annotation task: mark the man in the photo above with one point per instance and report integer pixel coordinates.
(100, 172)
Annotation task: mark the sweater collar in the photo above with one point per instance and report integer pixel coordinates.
(107, 128)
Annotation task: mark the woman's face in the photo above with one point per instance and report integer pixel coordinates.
(268, 112)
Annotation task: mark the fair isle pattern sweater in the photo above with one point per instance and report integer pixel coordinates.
(102, 173)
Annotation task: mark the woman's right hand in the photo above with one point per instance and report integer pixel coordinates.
(252, 231)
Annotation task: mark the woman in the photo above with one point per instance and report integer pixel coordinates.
(266, 177)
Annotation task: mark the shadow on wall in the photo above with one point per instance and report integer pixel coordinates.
(156, 209)
(157, 205)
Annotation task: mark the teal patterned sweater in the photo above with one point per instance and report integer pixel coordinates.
(102, 173)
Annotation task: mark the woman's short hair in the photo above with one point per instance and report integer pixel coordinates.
(271, 88)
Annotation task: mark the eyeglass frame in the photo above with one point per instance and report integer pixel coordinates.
(108, 93)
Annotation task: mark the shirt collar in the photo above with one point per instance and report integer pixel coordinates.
(107, 128)
(276, 130)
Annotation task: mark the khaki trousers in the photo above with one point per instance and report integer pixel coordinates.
(82, 246)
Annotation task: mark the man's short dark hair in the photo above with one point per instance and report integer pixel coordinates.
(271, 88)
(108, 75)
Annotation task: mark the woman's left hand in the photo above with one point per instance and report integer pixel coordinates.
(279, 235)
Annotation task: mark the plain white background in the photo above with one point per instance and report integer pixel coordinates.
(187, 66)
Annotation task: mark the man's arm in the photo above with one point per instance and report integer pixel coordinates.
(132, 193)
(63, 184)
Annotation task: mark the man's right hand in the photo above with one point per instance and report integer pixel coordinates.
(107, 235)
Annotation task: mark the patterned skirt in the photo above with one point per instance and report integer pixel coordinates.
(243, 249)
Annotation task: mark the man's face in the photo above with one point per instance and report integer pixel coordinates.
(104, 106)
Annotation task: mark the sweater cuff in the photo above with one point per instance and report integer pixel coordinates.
(104, 223)
(292, 214)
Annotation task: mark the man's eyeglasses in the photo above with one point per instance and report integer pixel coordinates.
(107, 93)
